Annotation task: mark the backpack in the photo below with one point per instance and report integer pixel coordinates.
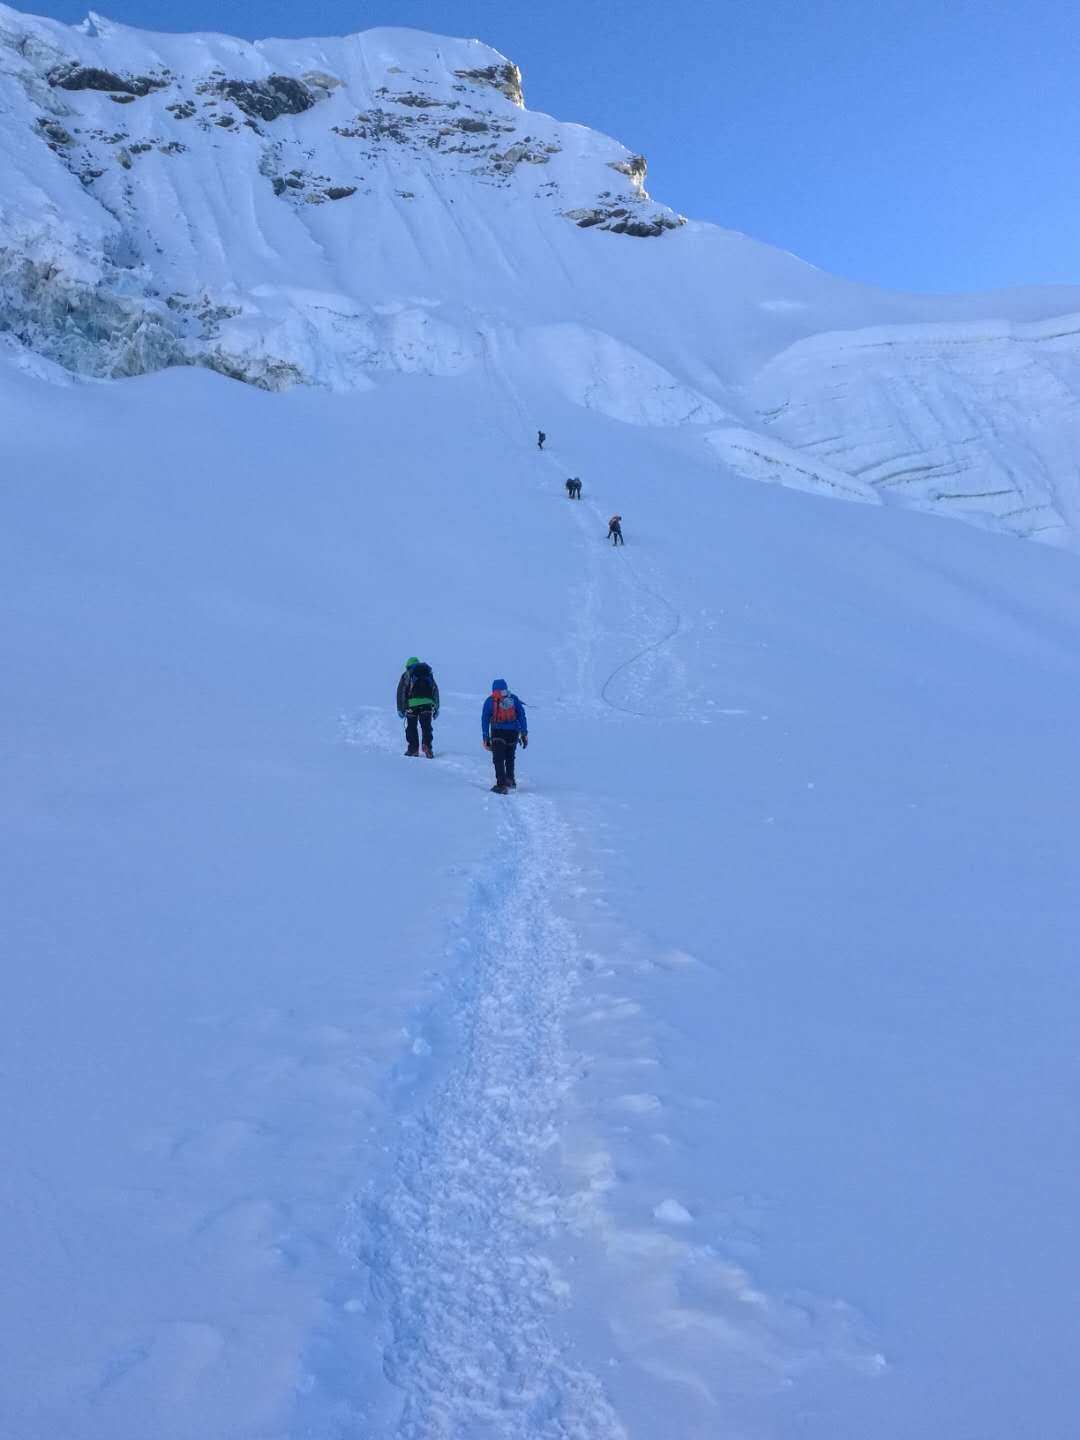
(504, 711)
(421, 683)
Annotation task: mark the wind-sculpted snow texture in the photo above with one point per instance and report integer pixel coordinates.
(334, 211)
(267, 209)
(979, 421)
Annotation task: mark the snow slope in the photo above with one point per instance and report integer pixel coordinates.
(333, 211)
(955, 419)
(715, 1084)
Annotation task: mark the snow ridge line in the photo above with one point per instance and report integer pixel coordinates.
(455, 1246)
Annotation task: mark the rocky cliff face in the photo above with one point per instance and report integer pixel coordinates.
(339, 212)
(162, 186)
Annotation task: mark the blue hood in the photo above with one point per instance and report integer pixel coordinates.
(499, 685)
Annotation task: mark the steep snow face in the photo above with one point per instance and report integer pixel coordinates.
(178, 199)
(339, 211)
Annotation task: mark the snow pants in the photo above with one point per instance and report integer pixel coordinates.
(503, 752)
(421, 715)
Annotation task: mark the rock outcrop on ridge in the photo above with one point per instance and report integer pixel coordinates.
(335, 212)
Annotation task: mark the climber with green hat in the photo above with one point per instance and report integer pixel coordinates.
(417, 705)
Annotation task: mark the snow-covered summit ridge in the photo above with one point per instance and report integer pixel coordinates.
(198, 198)
(336, 211)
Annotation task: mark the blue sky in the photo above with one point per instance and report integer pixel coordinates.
(921, 146)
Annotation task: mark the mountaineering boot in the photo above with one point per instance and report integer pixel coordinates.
(511, 784)
(412, 752)
(499, 789)
(429, 752)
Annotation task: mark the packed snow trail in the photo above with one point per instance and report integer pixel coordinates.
(668, 621)
(814, 946)
(456, 1245)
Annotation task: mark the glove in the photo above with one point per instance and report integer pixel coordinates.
(486, 744)
(524, 742)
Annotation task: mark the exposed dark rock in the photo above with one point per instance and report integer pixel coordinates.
(340, 192)
(172, 147)
(505, 78)
(183, 109)
(379, 125)
(268, 99)
(292, 181)
(524, 152)
(418, 102)
(225, 121)
(432, 130)
(54, 135)
(622, 221)
(89, 77)
(141, 148)
(122, 99)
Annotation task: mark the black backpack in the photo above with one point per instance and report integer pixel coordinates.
(421, 683)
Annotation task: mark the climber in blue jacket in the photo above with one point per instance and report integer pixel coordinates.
(503, 726)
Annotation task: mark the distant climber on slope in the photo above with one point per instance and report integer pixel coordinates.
(614, 530)
(575, 493)
(418, 705)
(569, 489)
(540, 438)
(504, 727)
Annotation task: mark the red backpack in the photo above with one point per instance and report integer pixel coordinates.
(503, 709)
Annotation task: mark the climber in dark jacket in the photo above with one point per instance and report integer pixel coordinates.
(503, 726)
(614, 530)
(540, 438)
(417, 705)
